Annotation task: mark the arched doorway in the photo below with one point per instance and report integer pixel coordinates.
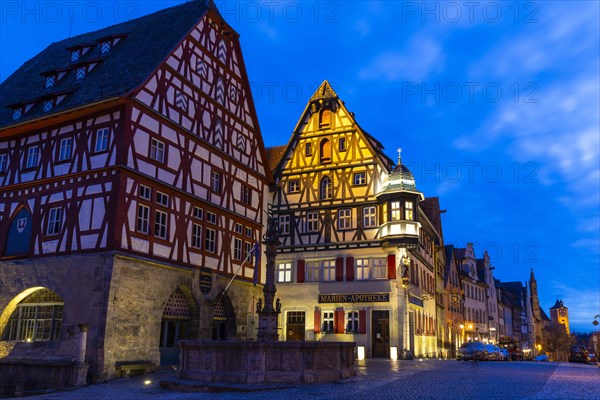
(224, 326)
(175, 326)
(18, 239)
(37, 318)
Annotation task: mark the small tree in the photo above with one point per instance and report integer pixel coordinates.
(558, 341)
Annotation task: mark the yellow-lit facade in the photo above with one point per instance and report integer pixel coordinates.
(358, 254)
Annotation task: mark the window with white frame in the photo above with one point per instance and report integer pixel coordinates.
(157, 150)
(284, 272)
(37, 318)
(162, 199)
(360, 178)
(55, 216)
(352, 325)
(196, 236)
(312, 222)
(33, 157)
(198, 213)
(101, 140)
(66, 148)
(361, 272)
(249, 253)
(210, 243)
(3, 162)
(329, 270)
(345, 218)
(249, 232)
(294, 186)
(379, 268)
(369, 217)
(327, 322)
(312, 271)
(211, 218)
(396, 211)
(143, 218)
(284, 224)
(239, 229)
(325, 189)
(237, 249)
(408, 210)
(160, 224)
(145, 192)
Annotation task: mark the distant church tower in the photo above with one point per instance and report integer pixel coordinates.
(559, 314)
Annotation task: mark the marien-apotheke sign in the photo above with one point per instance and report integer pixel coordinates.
(355, 298)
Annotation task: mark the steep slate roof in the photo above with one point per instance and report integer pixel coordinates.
(480, 268)
(558, 304)
(148, 41)
(431, 208)
(274, 156)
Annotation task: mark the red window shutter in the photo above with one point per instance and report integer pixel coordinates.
(339, 269)
(362, 321)
(339, 321)
(300, 272)
(391, 266)
(317, 320)
(349, 268)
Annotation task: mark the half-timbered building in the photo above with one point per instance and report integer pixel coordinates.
(133, 183)
(357, 259)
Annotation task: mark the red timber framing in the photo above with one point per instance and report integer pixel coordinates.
(192, 120)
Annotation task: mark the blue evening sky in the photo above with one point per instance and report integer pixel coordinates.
(496, 105)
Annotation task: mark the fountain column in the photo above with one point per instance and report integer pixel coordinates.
(269, 313)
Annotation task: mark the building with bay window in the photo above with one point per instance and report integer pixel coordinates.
(359, 253)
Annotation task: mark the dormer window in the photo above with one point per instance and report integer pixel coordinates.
(80, 73)
(105, 47)
(17, 114)
(48, 105)
(50, 81)
(75, 55)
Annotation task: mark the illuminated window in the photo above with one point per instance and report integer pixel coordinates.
(312, 222)
(66, 146)
(101, 140)
(325, 118)
(284, 272)
(379, 268)
(143, 218)
(408, 210)
(342, 144)
(157, 150)
(160, 224)
(37, 318)
(312, 271)
(352, 322)
(361, 269)
(325, 151)
(396, 209)
(327, 322)
(360, 179)
(369, 217)
(33, 157)
(325, 191)
(294, 186)
(329, 270)
(196, 236)
(54, 221)
(345, 218)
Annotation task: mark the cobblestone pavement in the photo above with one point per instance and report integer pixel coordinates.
(384, 379)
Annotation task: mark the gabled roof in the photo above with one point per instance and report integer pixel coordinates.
(544, 315)
(147, 41)
(459, 254)
(558, 304)
(480, 268)
(431, 207)
(274, 156)
(326, 93)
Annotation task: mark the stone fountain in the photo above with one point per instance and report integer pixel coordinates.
(266, 360)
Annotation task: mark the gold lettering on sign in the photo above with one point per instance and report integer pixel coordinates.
(355, 298)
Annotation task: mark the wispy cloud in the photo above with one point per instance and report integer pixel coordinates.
(415, 62)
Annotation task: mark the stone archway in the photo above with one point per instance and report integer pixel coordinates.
(175, 326)
(224, 325)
